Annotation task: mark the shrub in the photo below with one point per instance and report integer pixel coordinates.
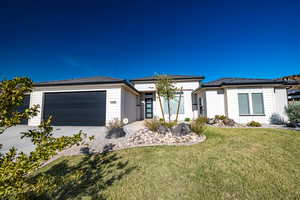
(187, 119)
(276, 119)
(198, 126)
(220, 117)
(293, 112)
(161, 119)
(152, 124)
(116, 123)
(202, 120)
(254, 124)
(169, 124)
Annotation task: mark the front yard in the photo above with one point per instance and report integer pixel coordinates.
(230, 164)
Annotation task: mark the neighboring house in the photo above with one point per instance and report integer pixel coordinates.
(99, 100)
(294, 95)
(242, 100)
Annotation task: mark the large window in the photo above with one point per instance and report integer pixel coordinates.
(244, 104)
(258, 104)
(174, 105)
(256, 101)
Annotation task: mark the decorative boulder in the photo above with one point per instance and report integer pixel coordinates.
(228, 122)
(211, 121)
(181, 129)
(115, 133)
(162, 129)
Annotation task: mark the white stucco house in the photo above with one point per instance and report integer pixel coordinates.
(98, 100)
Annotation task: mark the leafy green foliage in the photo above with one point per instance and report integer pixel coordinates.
(17, 167)
(187, 119)
(220, 117)
(254, 124)
(293, 112)
(198, 126)
(170, 124)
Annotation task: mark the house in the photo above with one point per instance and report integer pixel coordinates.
(99, 100)
(242, 99)
(294, 95)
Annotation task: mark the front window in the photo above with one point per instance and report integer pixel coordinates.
(174, 105)
(256, 101)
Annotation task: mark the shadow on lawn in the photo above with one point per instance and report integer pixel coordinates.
(84, 180)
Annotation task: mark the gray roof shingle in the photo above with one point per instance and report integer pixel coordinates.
(96, 79)
(175, 77)
(240, 81)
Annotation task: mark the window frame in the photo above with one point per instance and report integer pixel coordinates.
(249, 113)
(250, 104)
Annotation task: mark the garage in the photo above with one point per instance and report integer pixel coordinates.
(75, 108)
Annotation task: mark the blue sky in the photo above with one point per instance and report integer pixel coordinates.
(52, 40)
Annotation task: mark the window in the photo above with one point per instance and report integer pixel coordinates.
(258, 104)
(174, 105)
(244, 104)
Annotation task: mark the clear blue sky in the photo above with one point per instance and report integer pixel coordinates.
(54, 40)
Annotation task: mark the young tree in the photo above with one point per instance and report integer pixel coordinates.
(16, 167)
(165, 89)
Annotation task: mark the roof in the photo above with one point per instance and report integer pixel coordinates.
(85, 81)
(174, 77)
(241, 81)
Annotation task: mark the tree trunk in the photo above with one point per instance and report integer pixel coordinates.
(169, 111)
(161, 108)
(178, 104)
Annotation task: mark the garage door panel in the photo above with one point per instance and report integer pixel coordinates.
(76, 108)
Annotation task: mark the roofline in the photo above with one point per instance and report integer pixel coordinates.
(275, 83)
(177, 78)
(87, 83)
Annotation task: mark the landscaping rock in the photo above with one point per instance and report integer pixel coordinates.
(181, 129)
(162, 129)
(229, 122)
(291, 125)
(211, 121)
(115, 133)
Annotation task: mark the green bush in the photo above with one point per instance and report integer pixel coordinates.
(152, 124)
(187, 119)
(254, 124)
(293, 112)
(170, 124)
(202, 120)
(198, 126)
(220, 117)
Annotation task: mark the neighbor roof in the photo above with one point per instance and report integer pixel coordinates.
(85, 81)
(241, 81)
(175, 77)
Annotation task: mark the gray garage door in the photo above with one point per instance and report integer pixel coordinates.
(75, 108)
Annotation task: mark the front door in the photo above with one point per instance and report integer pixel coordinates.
(149, 108)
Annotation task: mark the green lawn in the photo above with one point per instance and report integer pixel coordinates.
(230, 164)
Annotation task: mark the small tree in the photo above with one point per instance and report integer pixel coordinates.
(165, 89)
(293, 112)
(16, 167)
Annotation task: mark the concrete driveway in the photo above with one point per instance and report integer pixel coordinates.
(12, 137)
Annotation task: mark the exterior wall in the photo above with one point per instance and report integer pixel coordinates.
(214, 103)
(187, 87)
(113, 99)
(129, 105)
(281, 100)
(268, 100)
(36, 98)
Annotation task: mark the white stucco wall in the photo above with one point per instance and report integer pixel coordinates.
(113, 99)
(187, 86)
(233, 105)
(281, 101)
(214, 103)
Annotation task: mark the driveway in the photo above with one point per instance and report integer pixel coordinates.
(12, 137)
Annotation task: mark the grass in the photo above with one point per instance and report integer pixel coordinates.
(230, 164)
